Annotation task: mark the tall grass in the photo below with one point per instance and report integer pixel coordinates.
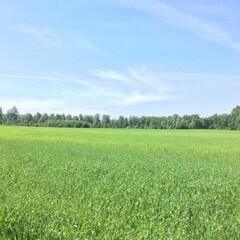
(119, 184)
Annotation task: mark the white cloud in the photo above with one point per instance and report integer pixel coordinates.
(104, 88)
(57, 78)
(43, 36)
(47, 106)
(56, 40)
(83, 43)
(211, 9)
(32, 105)
(109, 89)
(137, 98)
(198, 26)
(111, 75)
(134, 86)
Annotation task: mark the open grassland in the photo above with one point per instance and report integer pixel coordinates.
(119, 184)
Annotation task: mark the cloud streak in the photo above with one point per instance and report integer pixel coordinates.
(135, 86)
(196, 25)
(105, 89)
(62, 78)
(108, 87)
(52, 39)
(32, 105)
(46, 106)
(43, 36)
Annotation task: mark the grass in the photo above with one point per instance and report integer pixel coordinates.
(119, 184)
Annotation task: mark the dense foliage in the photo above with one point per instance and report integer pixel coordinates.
(119, 184)
(224, 121)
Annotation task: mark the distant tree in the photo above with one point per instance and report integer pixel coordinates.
(223, 121)
(88, 119)
(69, 117)
(178, 122)
(96, 121)
(37, 117)
(235, 118)
(205, 123)
(52, 123)
(120, 122)
(153, 123)
(26, 119)
(80, 117)
(133, 122)
(142, 121)
(51, 116)
(60, 123)
(43, 119)
(1, 115)
(162, 122)
(125, 123)
(105, 121)
(213, 121)
(85, 125)
(75, 118)
(12, 116)
(195, 122)
(77, 124)
(113, 123)
(58, 117)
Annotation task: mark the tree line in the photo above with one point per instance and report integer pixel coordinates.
(224, 121)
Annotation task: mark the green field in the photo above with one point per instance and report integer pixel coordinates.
(119, 184)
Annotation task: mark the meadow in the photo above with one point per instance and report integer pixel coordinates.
(119, 184)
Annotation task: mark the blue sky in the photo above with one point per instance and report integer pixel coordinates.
(120, 57)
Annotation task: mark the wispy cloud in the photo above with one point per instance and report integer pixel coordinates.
(57, 78)
(32, 105)
(211, 9)
(194, 24)
(135, 86)
(106, 89)
(112, 76)
(137, 98)
(53, 39)
(83, 43)
(29, 77)
(47, 106)
(43, 36)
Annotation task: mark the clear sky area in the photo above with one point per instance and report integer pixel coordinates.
(120, 57)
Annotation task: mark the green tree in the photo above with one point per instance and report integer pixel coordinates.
(120, 122)
(58, 117)
(96, 120)
(80, 117)
(105, 121)
(12, 116)
(1, 116)
(153, 123)
(195, 122)
(133, 122)
(88, 119)
(125, 123)
(37, 117)
(26, 119)
(235, 118)
(44, 118)
(51, 116)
